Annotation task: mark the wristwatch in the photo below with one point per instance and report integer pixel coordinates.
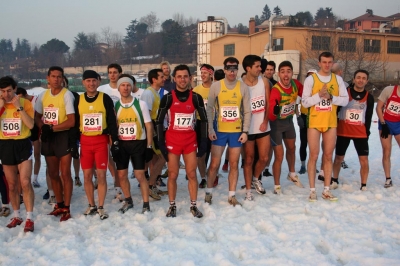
(20, 109)
(150, 147)
(115, 142)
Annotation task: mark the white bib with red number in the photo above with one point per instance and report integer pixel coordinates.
(50, 116)
(127, 131)
(92, 122)
(11, 127)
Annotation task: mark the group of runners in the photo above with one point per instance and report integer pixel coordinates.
(117, 124)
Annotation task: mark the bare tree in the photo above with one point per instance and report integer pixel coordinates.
(151, 20)
(183, 21)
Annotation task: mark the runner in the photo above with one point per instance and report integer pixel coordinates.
(323, 93)
(16, 120)
(354, 124)
(228, 124)
(180, 137)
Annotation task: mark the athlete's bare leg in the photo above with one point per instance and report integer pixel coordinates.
(234, 154)
(173, 171)
(313, 138)
(65, 167)
(290, 145)
(190, 167)
(216, 153)
(329, 144)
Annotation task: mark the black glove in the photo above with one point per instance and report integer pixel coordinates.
(115, 151)
(74, 151)
(148, 154)
(385, 131)
(300, 122)
(47, 131)
(202, 148)
(163, 150)
(276, 108)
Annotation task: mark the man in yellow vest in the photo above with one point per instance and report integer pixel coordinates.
(55, 115)
(16, 120)
(323, 93)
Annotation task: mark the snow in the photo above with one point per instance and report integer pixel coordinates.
(361, 228)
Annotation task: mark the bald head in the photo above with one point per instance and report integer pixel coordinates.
(337, 69)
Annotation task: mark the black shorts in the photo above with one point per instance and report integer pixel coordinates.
(133, 150)
(34, 133)
(14, 152)
(282, 129)
(257, 136)
(57, 145)
(361, 145)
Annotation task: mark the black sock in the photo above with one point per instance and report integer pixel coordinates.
(100, 207)
(226, 161)
(363, 185)
(388, 178)
(128, 199)
(60, 204)
(146, 205)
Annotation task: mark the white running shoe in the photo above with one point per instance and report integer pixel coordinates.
(388, 183)
(278, 190)
(249, 196)
(313, 196)
(295, 179)
(334, 185)
(258, 186)
(327, 194)
(35, 184)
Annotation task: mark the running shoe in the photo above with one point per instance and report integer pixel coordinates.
(225, 168)
(58, 211)
(160, 183)
(133, 175)
(65, 216)
(154, 193)
(145, 209)
(233, 201)
(119, 196)
(196, 213)
(295, 179)
(277, 190)
(46, 196)
(165, 174)
(5, 211)
(388, 183)
(203, 183)
(249, 196)
(14, 222)
(327, 194)
(321, 178)
(29, 226)
(35, 184)
(344, 165)
(126, 206)
(102, 213)
(334, 183)
(208, 198)
(313, 196)
(363, 188)
(91, 210)
(171, 211)
(52, 200)
(78, 182)
(266, 173)
(258, 186)
(302, 170)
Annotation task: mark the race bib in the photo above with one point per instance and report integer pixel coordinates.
(324, 106)
(393, 108)
(257, 104)
(127, 131)
(354, 116)
(50, 116)
(288, 109)
(183, 121)
(92, 122)
(11, 127)
(229, 113)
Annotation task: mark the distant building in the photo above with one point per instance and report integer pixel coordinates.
(369, 23)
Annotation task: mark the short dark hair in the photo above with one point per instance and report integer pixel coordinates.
(285, 64)
(21, 91)
(66, 82)
(55, 68)
(250, 60)
(361, 71)
(219, 74)
(207, 66)
(264, 63)
(231, 60)
(128, 76)
(7, 81)
(325, 54)
(271, 63)
(116, 66)
(180, 67)
(153, 74)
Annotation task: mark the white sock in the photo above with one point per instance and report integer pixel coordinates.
(51, 193)
(321, 172)
(35, 177)
(326, 189)
(277, 186)
(17, 213)
(209, 190)
(232, 193)
(255, 178)
(292, 174)
(312, 189)
(6, 206)
(29, 215)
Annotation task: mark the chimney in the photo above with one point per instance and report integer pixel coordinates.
(252, 26)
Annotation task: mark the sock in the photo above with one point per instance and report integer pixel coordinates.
(35, 177)
(321, 172)
(172, 203)
(363, 185)
(146, 205)
(232, 193)
(17, 213)
(100, 207)
(192, 202)
(312, 189)
(51, 193)
(326, 188)
(335, 180)
(248, 191)
(60, 204)
(29, 215)
(292, 174)
(128, 199)
(255, 178)
(388, 178)
(277, 186)
(226, 161)
(303, 163)
(209, 190)
(6, 206)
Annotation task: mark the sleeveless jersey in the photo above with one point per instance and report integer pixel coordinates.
(257, 105)
(181, 114)
(200, 89)
(156, 104)
(92, 116)
(323, 114)
(12, 126)
(392, 109)
(352, 118)
(54, 109)
(287, 105)
(228, 107)
(130, 121)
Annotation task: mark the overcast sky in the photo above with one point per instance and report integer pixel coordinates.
(41, 20)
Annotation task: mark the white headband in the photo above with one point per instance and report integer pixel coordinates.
(124, 79)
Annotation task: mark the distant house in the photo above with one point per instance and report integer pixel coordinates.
(369, 23)
(395, 18)
(276, 21)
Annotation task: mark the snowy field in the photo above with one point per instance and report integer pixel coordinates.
(361, 228)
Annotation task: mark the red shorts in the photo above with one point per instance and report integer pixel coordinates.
(181, 143)
(94, 149)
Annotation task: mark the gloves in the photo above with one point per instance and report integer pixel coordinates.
(47, 131)
(276, 108)
(385, 131)
(115, 151)
(163, 150)
(202, 147)
(148, 154)
(74, 151)
(300, 122)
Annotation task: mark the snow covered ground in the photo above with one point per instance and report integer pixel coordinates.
(361, 228)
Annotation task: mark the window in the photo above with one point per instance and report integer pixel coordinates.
(277, 44)
(372, 46)
(321, 43)
(359, 23)
(229, 49)
(347, 44)
(393, 47)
